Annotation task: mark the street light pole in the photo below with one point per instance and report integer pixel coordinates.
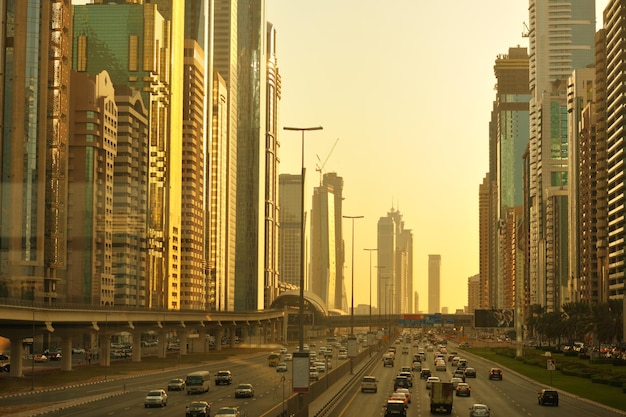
(352, 295)
(302, 238)
(370, 318)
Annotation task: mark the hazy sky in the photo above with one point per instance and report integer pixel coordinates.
(407, 86)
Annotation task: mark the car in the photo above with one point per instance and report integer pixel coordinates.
(283, 350)
(463, 389)
(288, 356)
(464, 345)
(223, 377)
(425, 373)
(78, 350)
(321, 366)
(6, 367)
(408, 375)
(495, 373)
(176, 384)
(455, 360)
(229, 411)
(40, 358)
(343, 354)
(244, 390)
(281, 367)
(399, 396)
(479, 410)
(401, 382)
(406, 392)
(198, 409)
(388, 360)
(440, 366)
(369, 383)
(430, 380)
(456, 381)
(313, 374)
(55, 356)
(405, 350)
(459, 373)
(155, 397)
(3, 357)
(470, 373)
(548, 397)
(417, 366)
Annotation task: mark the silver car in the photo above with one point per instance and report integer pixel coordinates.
(156, 398)
(479, 410)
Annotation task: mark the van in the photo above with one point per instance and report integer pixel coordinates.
(369, 383)
(198, 382)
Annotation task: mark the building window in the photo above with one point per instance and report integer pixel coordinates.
(133, 51)
(81, 61)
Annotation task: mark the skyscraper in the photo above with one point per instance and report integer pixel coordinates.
(33, 185)
(290, 201)
(434, 284)
(561, 39)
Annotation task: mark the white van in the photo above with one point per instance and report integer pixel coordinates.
(198, 381)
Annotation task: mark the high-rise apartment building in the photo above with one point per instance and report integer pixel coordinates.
(614, 21)
(90, 226)
(486, 237)
(561, 39)
(225, 64)
(33, 184)
(473, 293)
(130, 198)
(434, 284)
(193, 282)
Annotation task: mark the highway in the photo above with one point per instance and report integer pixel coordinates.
(513, 396)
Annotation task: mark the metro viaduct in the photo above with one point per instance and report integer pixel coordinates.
(18, 322)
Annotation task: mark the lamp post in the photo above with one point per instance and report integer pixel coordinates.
(302, 229)
(370, 318)
(352, 291)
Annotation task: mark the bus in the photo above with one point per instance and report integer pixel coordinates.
(273, 359)
(198, 382)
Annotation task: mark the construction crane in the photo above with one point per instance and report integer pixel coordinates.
(320, 165)
(525, 30)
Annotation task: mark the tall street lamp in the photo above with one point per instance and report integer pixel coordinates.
(352, 295)
(302, 230)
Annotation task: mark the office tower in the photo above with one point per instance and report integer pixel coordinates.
(92, 152)
(434, 284)
(395, 264)
(33, 186)
(509, 132)
(473, 293)
(290, 201)
(567, 28)
(225, 65)
(614, 21)
(251, 251)
(323, 279)
(581, 111)
(130, 198)
(193, 288)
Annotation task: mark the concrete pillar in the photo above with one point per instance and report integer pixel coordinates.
(245, 338)
(66, 353)
(182, 339)
(16, 358)
(204, 342)
(274, 334)
(232, 333)
(161, 351)
(104, 341)
(219, 333)
(136, 356)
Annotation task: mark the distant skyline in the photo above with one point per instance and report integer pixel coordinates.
(410, 102)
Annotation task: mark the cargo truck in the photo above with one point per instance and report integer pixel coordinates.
(441, 397)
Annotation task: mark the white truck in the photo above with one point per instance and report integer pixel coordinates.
(441, 397)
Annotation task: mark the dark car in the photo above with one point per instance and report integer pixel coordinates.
(198, 409)
(463, 390)
(6, 367)
(401, 382)
(495, 373)
(3, 357)
(425, 373)
(470, 373)
(548, 397)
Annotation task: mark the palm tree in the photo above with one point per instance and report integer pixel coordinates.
(576, 323)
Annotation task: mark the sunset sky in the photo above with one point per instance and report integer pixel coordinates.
(407, 87)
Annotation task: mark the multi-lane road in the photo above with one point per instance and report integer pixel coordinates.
(513, 396)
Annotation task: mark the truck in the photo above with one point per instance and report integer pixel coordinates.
(441, 397)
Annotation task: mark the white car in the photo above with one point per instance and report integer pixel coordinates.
(281, 367)
(156, 397)
(430, 380)
(288, 356)
(244, 390)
